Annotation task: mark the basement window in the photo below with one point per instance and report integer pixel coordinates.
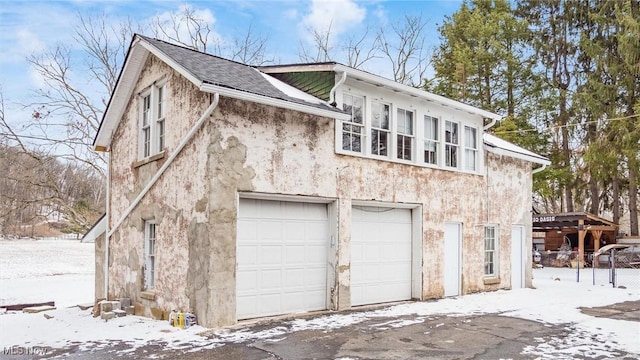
(149, 255)
(490, 251)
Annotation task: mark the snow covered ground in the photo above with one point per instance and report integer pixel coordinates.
(33, 271)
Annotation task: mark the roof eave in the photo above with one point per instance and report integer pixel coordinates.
(243, 95)
(134, 61)
(504, 152)
(379, 80)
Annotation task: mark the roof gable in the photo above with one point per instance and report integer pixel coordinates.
(209, 73)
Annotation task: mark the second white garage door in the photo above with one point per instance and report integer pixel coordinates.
(282, 253)
(380, 255)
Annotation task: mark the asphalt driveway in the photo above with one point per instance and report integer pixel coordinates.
(490, 336)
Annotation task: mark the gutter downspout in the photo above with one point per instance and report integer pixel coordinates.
(490, 125)
(106, 231)
(332, 93)
(154, 179)
(537, 170)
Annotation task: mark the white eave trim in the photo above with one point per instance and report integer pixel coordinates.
(121, 95)
(379, 80)
(260, 99)
(504, 152)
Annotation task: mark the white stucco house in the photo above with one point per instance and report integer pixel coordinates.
(237, 192)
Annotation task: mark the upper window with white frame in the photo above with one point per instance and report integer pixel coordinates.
(353, 130)
(380, 131)
(431, 143)
(452, 143)
(405, 134)
(149, 255)
(490, 251)
(152, 121)
(399, 128)
(470, 148)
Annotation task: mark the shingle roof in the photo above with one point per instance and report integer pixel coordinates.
(222, 72)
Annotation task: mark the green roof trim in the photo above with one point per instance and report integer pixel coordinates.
(318, 84)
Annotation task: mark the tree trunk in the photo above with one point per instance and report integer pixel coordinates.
(566, 152)
(615, 185)
(633, 193)
(595, 195)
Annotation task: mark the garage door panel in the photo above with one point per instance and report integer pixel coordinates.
(381, 255)
(247, 281)
(282, 257)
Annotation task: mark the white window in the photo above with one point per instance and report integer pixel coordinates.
(451, 144)
(470, 148)
(431, 143)
(353, 130)
(160, 118)
(380, 129)
(149, 255)
(490, 252)
(405, 134)
(146, 125)
(152, 121)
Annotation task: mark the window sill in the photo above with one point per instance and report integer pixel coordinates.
(148, 295)
(409, 162)
(149, 159)
(492, 281)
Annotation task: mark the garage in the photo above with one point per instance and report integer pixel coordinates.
(380, 255)
(282, 249)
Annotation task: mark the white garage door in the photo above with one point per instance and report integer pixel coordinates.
(380, 255)
(281, 258)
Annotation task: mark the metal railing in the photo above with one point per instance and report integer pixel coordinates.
(617, 267)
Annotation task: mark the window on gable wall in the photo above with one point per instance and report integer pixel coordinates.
(353, 130)
(149, 255)
(470, 148)
(379, 129)
(152, 121)
(490, 252)
(146, 125)
(405, 134)
(160, 118)
(431, 140)
(451, 144)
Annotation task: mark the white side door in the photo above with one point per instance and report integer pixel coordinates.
(517, 256)
(452, 258)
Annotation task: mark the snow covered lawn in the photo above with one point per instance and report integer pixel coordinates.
(32, 271)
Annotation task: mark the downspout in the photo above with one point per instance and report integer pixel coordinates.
(154, 179)
(106, 230)
(490, 125)
(537, 170)
(332, 93)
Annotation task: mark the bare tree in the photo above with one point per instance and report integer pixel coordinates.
(404, 47)
(321, 50)
(67, 114)
(360, 49)
(33, 184)
(250, 48)
(188, 29)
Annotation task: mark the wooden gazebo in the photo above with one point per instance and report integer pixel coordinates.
(582, 224)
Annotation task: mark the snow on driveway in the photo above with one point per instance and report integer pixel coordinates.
(63, 271)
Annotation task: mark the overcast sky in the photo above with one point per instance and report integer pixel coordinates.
(28, 27)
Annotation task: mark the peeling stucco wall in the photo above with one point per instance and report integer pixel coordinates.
(248, 147)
